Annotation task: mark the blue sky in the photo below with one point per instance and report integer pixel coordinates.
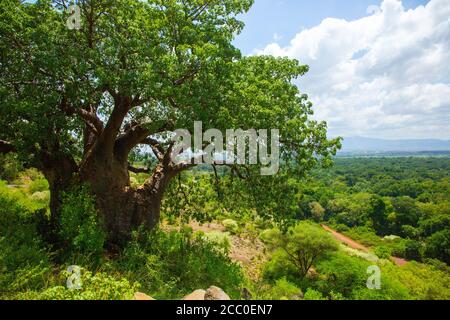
(285, 18)
(378, 73)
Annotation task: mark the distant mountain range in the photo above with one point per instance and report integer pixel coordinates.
(369, 145)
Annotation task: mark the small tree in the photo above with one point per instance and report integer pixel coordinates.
(303, 244)
(317, 211)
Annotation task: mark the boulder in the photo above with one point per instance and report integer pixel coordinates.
(196, 295)
(215, 293)
(142, 296)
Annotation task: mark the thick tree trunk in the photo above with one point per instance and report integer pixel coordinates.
(123, 209)
(59, 170)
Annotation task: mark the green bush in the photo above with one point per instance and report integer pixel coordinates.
(170, 265)
(41, 197)
(79, 224)
(422, 282)
(413, 250)
(38, 185)
(364, 235)
(285, 290)
(22, 198)
(10, 167)
(220, 239)
(99, 286)
(278, 267)
(383, 252)
(231, 225)
(24, 260)
(348, 276)
(312, 294)
(438, 246)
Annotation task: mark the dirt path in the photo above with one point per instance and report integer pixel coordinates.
(355, 245)
(351, 243)
(249, 252)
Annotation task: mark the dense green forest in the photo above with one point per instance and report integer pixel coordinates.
(215, 235)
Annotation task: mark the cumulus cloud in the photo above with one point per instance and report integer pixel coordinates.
(385, 75)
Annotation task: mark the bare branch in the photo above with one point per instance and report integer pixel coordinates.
(156, 147)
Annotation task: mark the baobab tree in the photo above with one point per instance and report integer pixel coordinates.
(76, 101)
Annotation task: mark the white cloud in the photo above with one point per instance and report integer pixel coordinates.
(385, 75)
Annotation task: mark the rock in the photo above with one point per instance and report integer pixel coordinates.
(246, 294)
(196, 295)
(142, 296)
(215, 293)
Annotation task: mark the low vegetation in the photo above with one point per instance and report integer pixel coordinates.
(301, 261)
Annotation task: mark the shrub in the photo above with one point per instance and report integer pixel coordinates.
(438, 246)
(413, 250)
(79, 225)
(38, 185)
(278, 267)
(422, 282)
(231, 225)
(41, 196)
(383, 252)
(285, 290)
(348, 276)
(24, 262)
(364, 235)
(99, 286)
(220, 239)
(312, 294)
(170, 265)
(22, 198)
(10, 166)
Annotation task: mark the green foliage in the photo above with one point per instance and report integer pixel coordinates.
(10, 167)
(284, 290)
(412, 250)
(317, 211)
(438, 246)
(24, 260)
(23, 198)
(79, 224)
(303, 244)
(383, 252)
(220, 239)
(171, 265)
(364, 235)
(231, 225)
(99, 286)
(42, 197)
(423, 282)
(38, 185)
(279, 267)
(348, 275)
(312, 294)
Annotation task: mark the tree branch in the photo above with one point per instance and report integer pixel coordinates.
(122, 106)
(156, 147)
(138, 170)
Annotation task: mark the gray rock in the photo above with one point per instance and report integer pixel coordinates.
(196, 295)
(215, 293)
